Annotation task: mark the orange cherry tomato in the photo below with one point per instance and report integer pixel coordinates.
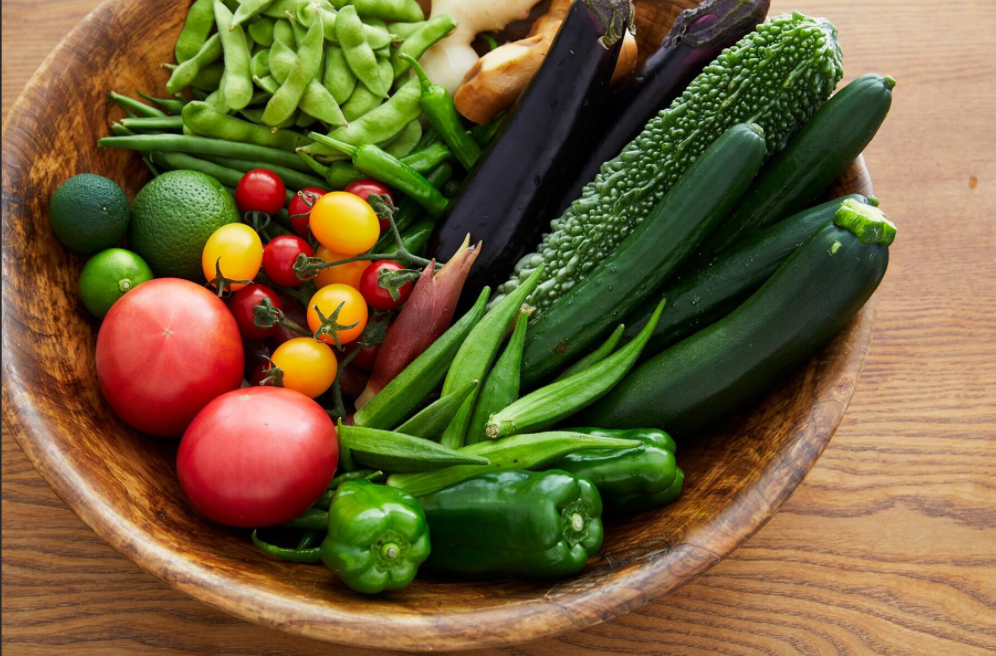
(344, 223)
(237, 250)
(309, 367)
(344, 274)
(354, 311)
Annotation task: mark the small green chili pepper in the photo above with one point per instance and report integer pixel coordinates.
(312, 518)
(196, 28)
(596, 356)
(206, 121)
(359, 55)
(307, 554)
(415, 238)
(237, 87)
(502, 385)
(183, 74)
(409, 212)
(431, 32)
(430, 422)
(310, 538)
(397, 452)
(377, 537)
(482, 134)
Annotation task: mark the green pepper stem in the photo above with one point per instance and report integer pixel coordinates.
(423, 78)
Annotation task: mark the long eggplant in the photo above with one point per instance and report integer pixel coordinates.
(697, 37)
(505, 201)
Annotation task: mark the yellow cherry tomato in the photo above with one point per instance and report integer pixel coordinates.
(354, 310)
(344, 274)
(239, 250)
(309, 367)
(344, 223)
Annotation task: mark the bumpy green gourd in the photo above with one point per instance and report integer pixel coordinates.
(777, 77)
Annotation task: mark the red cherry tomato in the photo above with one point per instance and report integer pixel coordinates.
(366, 357)
(299, 209)
(164, 351)
(255, 352)
(259, 373)
(257, 456)
(294, 311)
(279, 258)
(260, 190)
(364, 188)
(376, 296)
(243, 306)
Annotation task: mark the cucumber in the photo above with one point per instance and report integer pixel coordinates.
(813, 160)
(715, 286)
(692, 209)
(721, 369)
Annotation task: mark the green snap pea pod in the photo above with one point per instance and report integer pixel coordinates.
(137, 106)
(255, 114)
(172, 105)
(548, 405)
(359, 55)
(303, 71)
(305, 119)
(339, 80)
(228, 177)
(431, 421)
(196, 28)
(267, 83)
(217, 101)
(403, 30)
(261, 155)
(307, 555)
(406, 11)
(371, 160)
(206, 121)
(378, 36)
(518, 452)
(314, 519)
(478, 352)
(415, 45)
(317, 102)
(397, 452)
(299, 32)
(260, 64)
(281, 60)
(283, 33)
(596, 356)
(442, 114)
(247, 10)
(407, 390)
(501, 388)
(237, 84)
(153, 123)
(261, 31)
(293, 179)
(209, 77)
(363, 100)
(279, 9)
(406, 141)
(183, 75)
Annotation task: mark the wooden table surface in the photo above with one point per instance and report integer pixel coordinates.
(888, 547)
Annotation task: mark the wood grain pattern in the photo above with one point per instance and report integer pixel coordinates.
(884, 549)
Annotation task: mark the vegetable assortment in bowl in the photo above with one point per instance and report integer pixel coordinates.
(324, 146)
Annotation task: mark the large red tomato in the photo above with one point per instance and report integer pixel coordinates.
(257, 456)
(165, 350)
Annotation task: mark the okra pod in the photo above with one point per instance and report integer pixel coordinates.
(596, 356)
(502, 386)
(433, 420)
(397, 452)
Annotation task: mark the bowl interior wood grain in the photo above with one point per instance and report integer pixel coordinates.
(124, 485)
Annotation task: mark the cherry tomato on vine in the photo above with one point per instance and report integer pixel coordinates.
(366, 357)
(243, 304)
(344, 223)
(279, 258)
(344, 274)
(309, 367)
(299, 209)
(376, 296)
(260, 190)
(354, 310)
(237, 250)
(363, 189)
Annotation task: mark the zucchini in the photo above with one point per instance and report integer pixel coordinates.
(696, 204)
(813, 160)
(715, 286)
(721, 369)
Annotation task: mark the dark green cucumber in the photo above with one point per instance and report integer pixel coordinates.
(721, 369)
(692, 209)
(813, 160)
(715, 286)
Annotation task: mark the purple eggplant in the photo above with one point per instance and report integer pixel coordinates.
(505, 200)
(696, 38)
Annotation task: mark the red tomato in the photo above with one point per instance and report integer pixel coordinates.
(376, 296)
(299, 209)
(364, 188)
(366, 357)
(279, 258)
(257, 456)
(260, 190)
(243, 306)
(164, 351)
(255, 352)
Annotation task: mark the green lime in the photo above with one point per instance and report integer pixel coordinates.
(172, 218)
(108, 276)
(89, 213)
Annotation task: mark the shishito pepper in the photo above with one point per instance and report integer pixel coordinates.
(377, 537)
(643, 477)
(537, 524)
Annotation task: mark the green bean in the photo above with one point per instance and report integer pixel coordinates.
(548, 405)
(153, 123)
(137, 106)
(206, 121)
(292, 178)
(338, 79)
(237, 83)
(432, 31)
(183, 74)
(248, 9)
(196, 28)
(123, 132)
(261, 31)
(279, 9)
(283, 33)
(502, 385)
(378, 36)
(406, 11)
(359, 54)
(203, 146)
(406, 141)
(260, 64)
(397, 452)
(302, 72)
(430, 422)
(363, 100)
(227, 176)
(596, 356)
(172, 105)
(478, 352)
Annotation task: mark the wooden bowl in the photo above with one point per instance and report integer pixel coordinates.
(124, 486)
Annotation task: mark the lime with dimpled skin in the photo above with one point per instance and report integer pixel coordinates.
(89, 213)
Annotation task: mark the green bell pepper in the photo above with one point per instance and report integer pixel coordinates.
(377, 537)
(643, 477)
(512, 522)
